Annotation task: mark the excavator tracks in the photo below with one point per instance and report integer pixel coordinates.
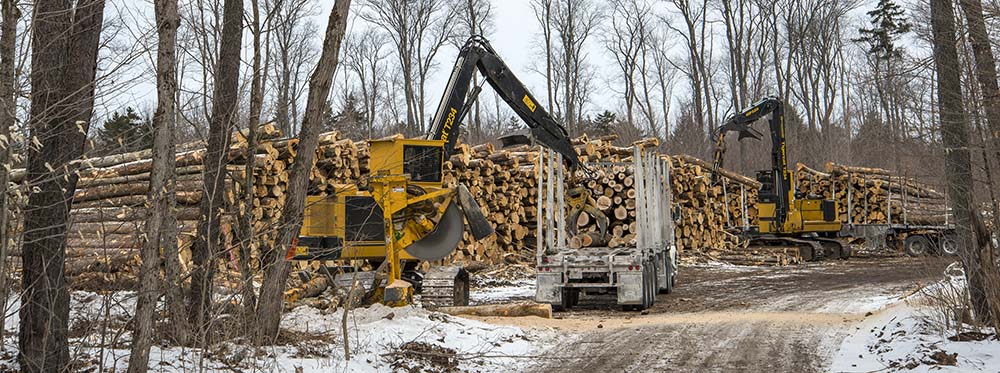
(810, 248)
(445, 286)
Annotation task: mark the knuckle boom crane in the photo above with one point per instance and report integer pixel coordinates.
(785, 218)
(405, 213)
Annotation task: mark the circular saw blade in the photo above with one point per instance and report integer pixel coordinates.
(443, 239)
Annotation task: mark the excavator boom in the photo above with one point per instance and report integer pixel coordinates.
(477, 54)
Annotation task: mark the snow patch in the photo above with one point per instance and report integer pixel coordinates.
(375, 336)
(908, 336)
(514, 290)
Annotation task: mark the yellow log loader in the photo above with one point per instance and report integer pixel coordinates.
(785, 217)
(405, 213)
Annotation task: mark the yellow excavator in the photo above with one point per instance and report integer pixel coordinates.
(785, 218)
(405, 213)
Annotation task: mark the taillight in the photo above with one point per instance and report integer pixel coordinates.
(290, 254)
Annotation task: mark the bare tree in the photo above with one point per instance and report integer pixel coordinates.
(277, 269)
(365, 57)
(475, 18)
(955, 137)
(418, 29)
(62, 84)
(293, 51)
(574, 21)
(985, 68)
(224, 105)
(695, 35)
(665, 77)
(543, 13)
(628, 40)
(8, 118)
(161, 186)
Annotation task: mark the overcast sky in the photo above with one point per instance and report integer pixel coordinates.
(516, 37)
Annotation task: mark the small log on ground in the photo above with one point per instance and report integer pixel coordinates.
(501, 310)
(311, 288)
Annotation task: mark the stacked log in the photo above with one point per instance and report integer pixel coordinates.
(107, 218)
(707, 210)
(873, 195)
(504, 183)
(109, 207)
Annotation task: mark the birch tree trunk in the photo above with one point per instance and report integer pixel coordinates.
(160, 191)
(276, 272)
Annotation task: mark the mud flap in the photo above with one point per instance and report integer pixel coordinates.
(548, 288)
(630, 287)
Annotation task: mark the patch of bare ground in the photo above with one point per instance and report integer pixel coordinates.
(726, 318)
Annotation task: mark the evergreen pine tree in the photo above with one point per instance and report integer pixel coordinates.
(888, 22)
(126, 131)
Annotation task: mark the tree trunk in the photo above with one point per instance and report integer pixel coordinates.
(62, 91)
(245, 229)
(224, 104)
(276, 272)
(955, 137)
(160, 176)
(986, 74)
(8, 109)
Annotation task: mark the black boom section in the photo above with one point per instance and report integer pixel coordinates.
(478, 54)
(779, 177)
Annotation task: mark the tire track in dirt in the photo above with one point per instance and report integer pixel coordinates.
(736, 319)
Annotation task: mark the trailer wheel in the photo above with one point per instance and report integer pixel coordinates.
(654, 282)
(647, 288)
(668, 286)
(917, 245)
(947, 246)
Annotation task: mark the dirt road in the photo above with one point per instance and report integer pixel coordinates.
(736, 318)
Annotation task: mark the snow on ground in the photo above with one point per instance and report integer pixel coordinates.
(909, 335)
(901, 338)
(513, 290)
(382, 339)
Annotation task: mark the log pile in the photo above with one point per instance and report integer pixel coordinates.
(108, 214)
(504, 181)
(107, 217)
(873, 195)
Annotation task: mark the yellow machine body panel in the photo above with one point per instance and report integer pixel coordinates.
(421, 159)
(805, 215)
(325, 234)
(350, 223)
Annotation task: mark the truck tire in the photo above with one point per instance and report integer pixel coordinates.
(947, 246)
(645, 287)
(653, 285)
(668, 286)
(568, 300)
(917, 245)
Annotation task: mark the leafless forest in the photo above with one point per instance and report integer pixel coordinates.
(177, 86)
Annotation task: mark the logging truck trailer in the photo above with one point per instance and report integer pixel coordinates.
(912, 239)
(634, 273)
